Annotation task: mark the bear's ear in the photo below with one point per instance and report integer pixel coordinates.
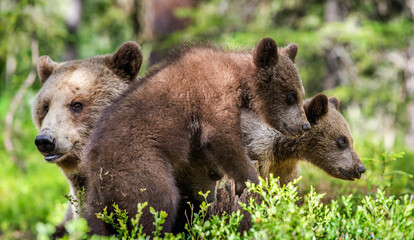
(334, 101)
(317, 107)
(126, 62)
(266, 55)
(45, 68)
(291, 51)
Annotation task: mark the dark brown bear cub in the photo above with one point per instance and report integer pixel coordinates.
(142, 142)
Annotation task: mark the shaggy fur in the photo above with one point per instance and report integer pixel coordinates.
(279, 154)
(143, 143)
(70, 101)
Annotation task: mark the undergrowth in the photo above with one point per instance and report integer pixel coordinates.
(278, 216)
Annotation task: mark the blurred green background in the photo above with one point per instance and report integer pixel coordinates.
(361, 52)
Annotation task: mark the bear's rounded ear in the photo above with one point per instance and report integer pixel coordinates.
(45, 68)
(291, 51)
(316, 107)
(126, 61)
(335, 102)
(265, 54)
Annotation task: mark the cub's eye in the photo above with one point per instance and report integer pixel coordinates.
(342, 143)
(291, 98)
(76, 107)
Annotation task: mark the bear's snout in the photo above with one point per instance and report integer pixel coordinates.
(306, 127)
(45, 143)
(362, 169)
(359, 171)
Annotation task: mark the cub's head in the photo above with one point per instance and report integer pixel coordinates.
(329, 144)
(72, 96)
(278, 89)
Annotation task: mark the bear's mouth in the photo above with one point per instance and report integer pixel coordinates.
(289, 131)
(346, 175)
(53, 158)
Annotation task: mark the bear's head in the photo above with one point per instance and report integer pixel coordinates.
(278, 89)
(329, 144)
(72, 96)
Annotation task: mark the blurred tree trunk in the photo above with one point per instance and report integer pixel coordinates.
(73, 19)
(334, 54)
(409, 4)
(409, 79)
(138, 18)
(409, 90)
(14, 105)
(162, 21)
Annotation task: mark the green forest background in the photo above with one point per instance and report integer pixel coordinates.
(361, 52)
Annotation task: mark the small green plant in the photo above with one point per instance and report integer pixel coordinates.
(118, 219)
(215, 227)
(385, 173)
(78, 201)
(159, 220)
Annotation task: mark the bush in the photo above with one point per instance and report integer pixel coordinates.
(278, 216)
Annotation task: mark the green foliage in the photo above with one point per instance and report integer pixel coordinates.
(386, 177)
(159, 220)
(78, 201)
(118, 219)
(215, 227)
(278, 216)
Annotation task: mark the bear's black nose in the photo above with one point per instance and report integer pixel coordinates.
(45, 143)
(306, 127)
(361, 169)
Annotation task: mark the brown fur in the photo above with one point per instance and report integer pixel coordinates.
(318, 146)
(279, 154)
(143, 142)
(94, 83)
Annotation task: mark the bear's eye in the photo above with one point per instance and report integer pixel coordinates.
(76, 107)
(291, 98)
(46, 108)
(342, 143)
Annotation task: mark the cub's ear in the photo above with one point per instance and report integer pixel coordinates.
(126, 61)
(291, 51)
(334, 101)
(316, 107)
(45, 68)
(266, 55)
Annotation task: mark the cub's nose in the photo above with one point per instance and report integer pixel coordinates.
(361, 170)
(306, 127)
(45, 143)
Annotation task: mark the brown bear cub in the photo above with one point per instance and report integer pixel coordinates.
(69, 103)
(327, 145)
(142, 143)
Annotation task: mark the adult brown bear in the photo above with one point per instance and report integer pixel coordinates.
(71, 99)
